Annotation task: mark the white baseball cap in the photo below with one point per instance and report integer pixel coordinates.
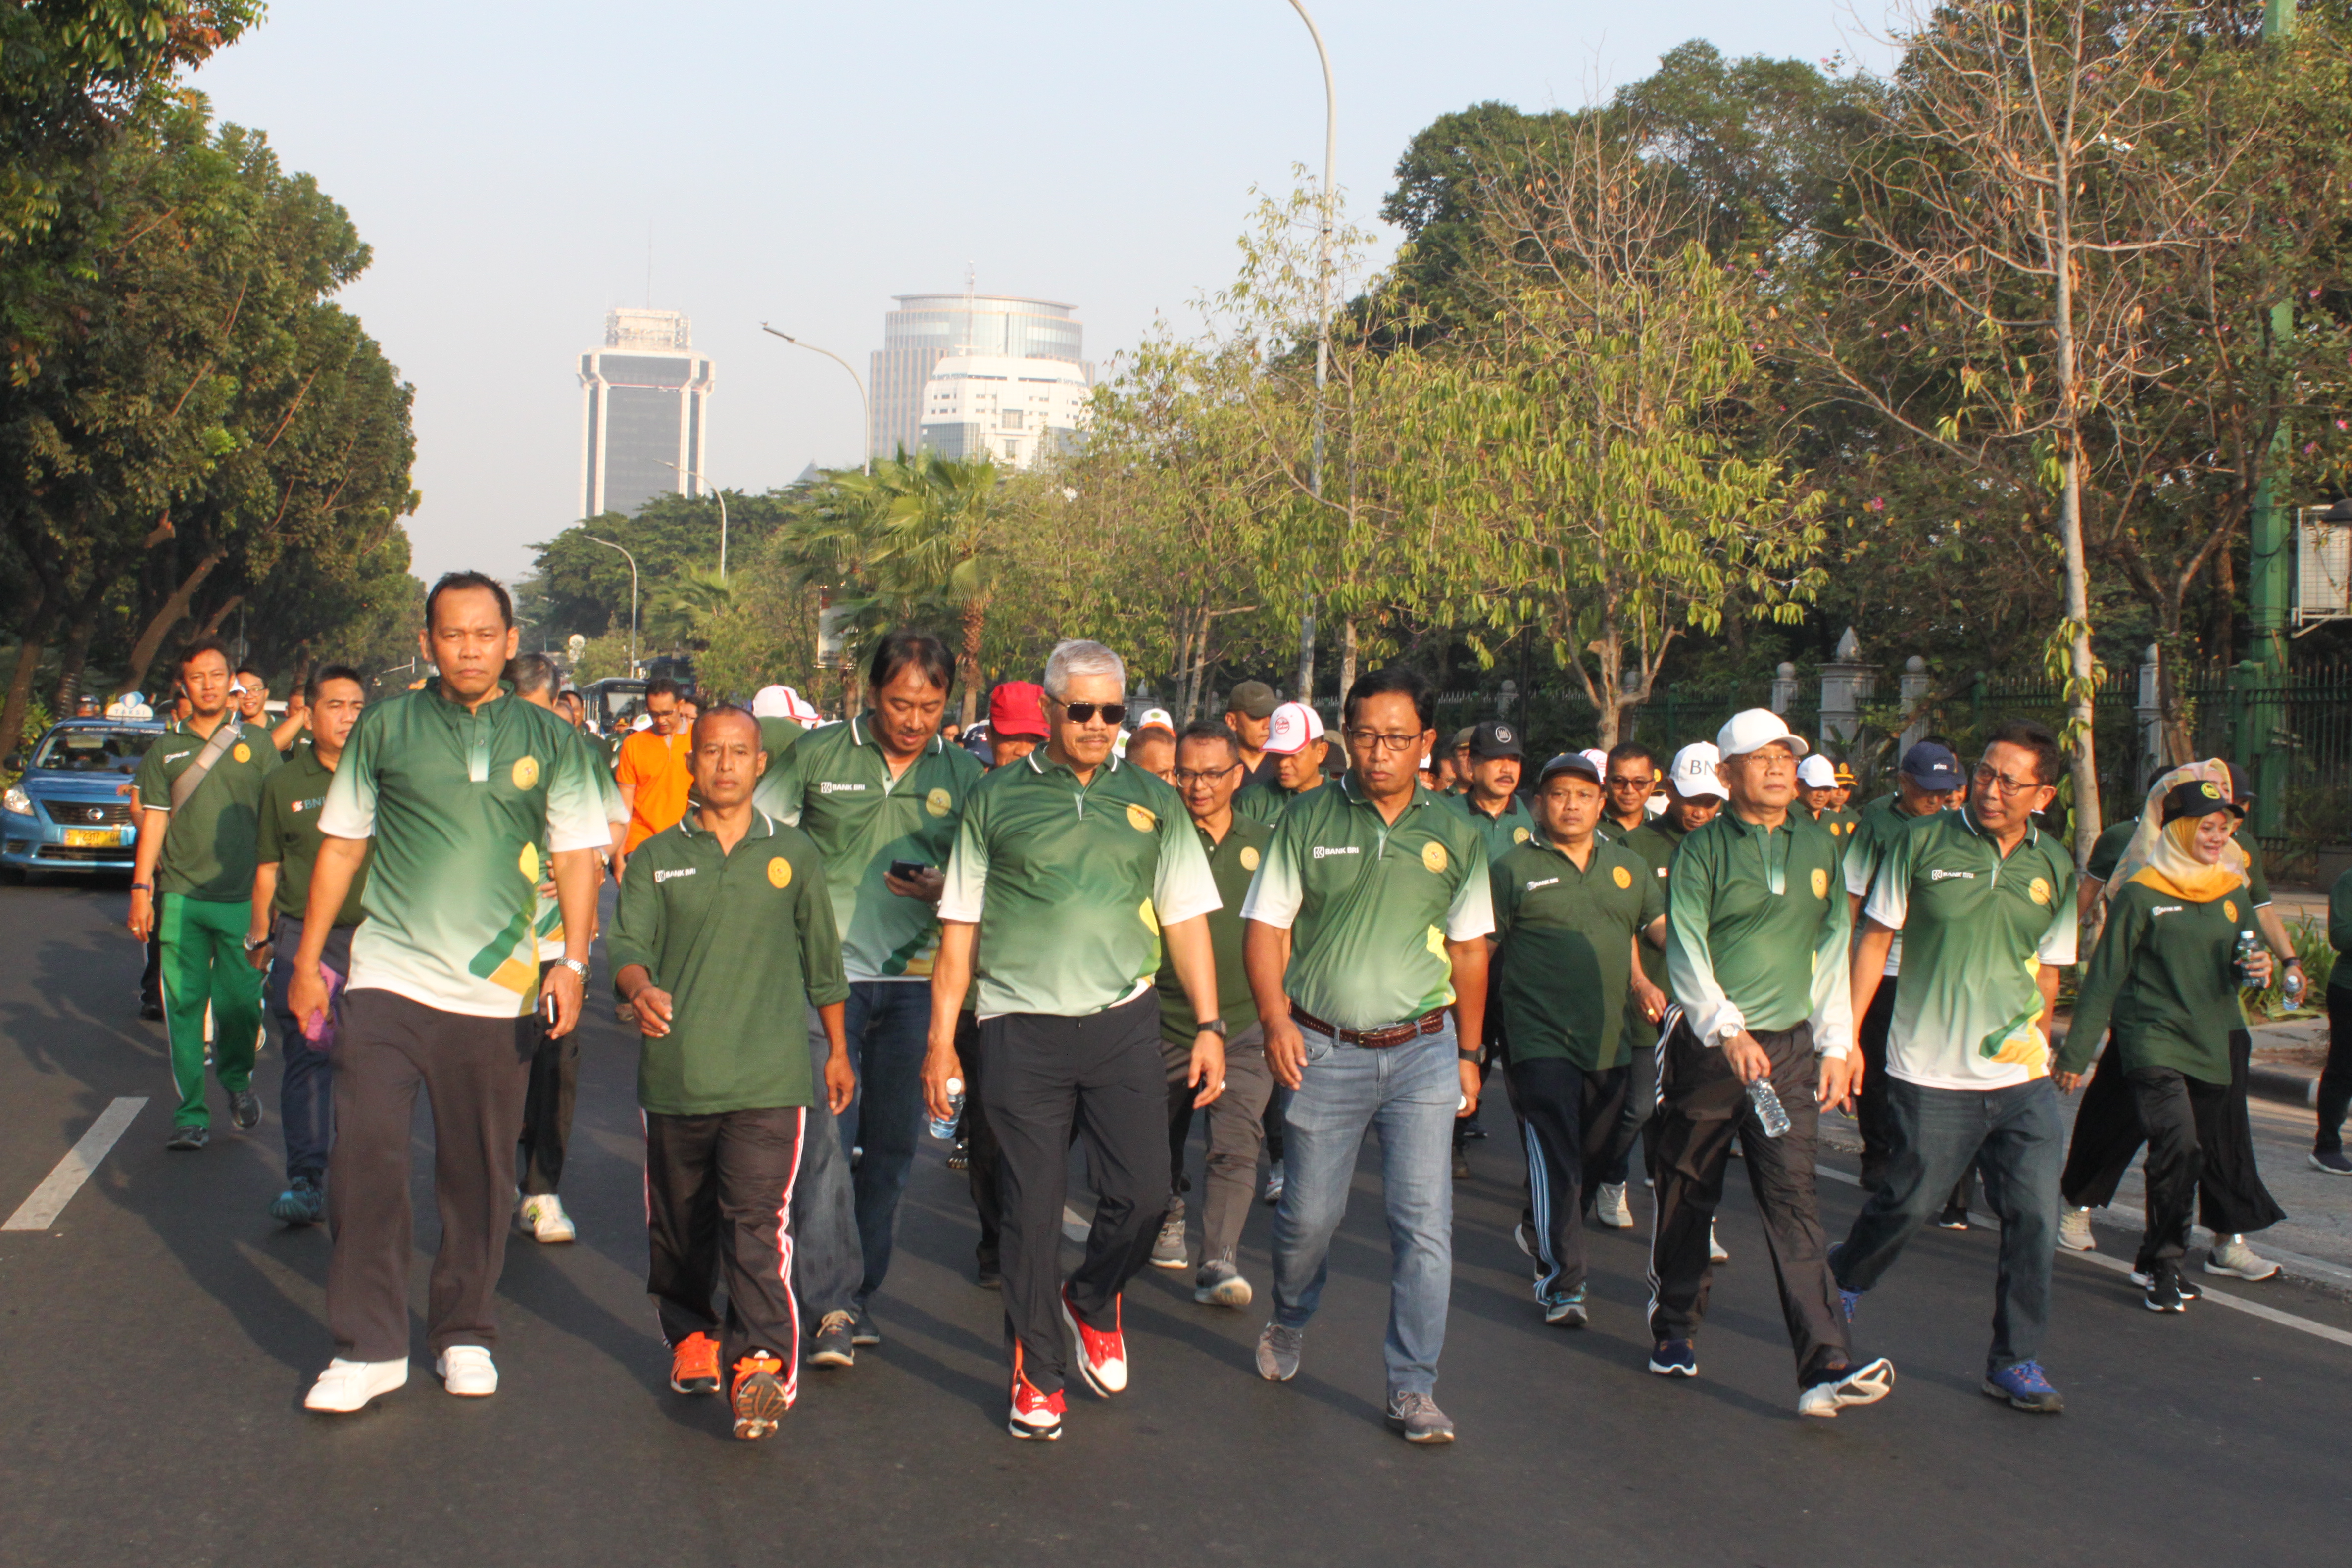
(1295, 728)
(1156, 719)
(1693, 775)
(1598, 758)
(1815, 773)
(1752, 730)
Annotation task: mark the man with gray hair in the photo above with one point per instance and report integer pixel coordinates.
(1070, 872)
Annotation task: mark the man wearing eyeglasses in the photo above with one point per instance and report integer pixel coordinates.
(1366, 924)
(1633, 776)
(1072, 873)
(1985, 904)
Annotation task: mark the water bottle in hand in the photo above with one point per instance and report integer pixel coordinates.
(944, 1126)
(2249, 944)
(1769, 1108)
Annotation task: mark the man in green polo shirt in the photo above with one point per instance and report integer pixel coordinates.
(1986, 905)
(288, 847)
(199, 790)
(466, 791)
(1571, 913)
(1071, 874)
(724, 940)
(1755, 950)
(1207, 771)
(1295, 746)
(1368, 923)
(883, 790)
(1491, 804)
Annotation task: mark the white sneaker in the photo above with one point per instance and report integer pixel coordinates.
(1715, 1252)
(348, 1385)
(1610, 1207)
(468, 1372)
(1855, 1385)
(2074, 1230)
(2231, 1255)
(544, 1218)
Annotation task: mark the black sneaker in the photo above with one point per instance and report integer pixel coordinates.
(988, 1274)
(1954, 1217)
(863, 1330)
(152, 1012)
(188, 1140)
(245, 1109)
(1461, 1166)
(2164, 1289)
(2189, 1289)
(832, 1345)
(2331, 1160)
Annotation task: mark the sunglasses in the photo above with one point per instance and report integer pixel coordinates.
(1083, 713)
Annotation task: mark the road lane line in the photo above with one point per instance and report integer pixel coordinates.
(48, 1200)
(2117, 1265)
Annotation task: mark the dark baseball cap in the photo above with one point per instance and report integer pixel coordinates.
(1933, 767)
(1254, 698)
(1496, 738)
(2241, 788)
(1575, 763)
(2198, 798)
(1461, 737)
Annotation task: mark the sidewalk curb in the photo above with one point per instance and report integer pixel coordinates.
(2292, 1086)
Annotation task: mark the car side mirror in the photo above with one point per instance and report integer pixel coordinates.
(14, 760)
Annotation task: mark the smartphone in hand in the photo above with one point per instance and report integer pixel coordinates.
(904, 869)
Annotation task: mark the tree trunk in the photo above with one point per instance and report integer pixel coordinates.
(77, 649)
(1347, 655)
(28, 660)
(174, 609)
(975, 622)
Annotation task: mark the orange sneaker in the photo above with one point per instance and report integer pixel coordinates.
(694, 1365)
(760, 1398)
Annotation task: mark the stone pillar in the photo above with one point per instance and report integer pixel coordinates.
(1913, 693)
(1784, 688)
(1846, 684)
(2149, 712)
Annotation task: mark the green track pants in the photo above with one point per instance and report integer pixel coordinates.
(204, 964)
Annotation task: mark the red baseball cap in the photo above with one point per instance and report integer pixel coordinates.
(1017, 708)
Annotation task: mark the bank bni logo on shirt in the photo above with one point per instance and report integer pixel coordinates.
(1938, 874)
(661, 876)
(1323, 849)
(834, 786)
(1554, 881)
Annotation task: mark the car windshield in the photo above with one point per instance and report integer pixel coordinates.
(94, 751)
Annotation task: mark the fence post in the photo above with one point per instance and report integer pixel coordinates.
(1914, 689)
(2150, 713)
(1846, 683)
(1784, 687)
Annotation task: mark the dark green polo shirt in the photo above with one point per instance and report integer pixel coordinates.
(1370, 905)
(1267, 800)
(778, 736)
(208, 847)
(1563, 971)
(834, 784)
(1234, 861)
(2162, 976)
(1756, 927)
(1504, 831)
(290, 802)
(743, 941)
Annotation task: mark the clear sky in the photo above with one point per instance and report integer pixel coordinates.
(800, 164)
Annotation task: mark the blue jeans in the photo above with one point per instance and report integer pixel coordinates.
(825, 1261)
(306, 1093)
(888, 1024)
(1408, 1093)
(2017, 1138)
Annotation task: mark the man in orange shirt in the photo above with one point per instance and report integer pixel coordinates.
(651, 769)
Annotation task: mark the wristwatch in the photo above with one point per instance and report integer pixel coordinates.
(1461, 1055)
(1213, 1026)
(577, 967)
(255, 944)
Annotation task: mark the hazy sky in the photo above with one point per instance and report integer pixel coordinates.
(801, 164)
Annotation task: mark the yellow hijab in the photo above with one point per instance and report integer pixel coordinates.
(2159, 855)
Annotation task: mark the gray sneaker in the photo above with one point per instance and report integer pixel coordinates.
(2231, 1255)
(1219, 1284)
(1610, 1208)
(1278, 1352)
(2074, 1230)
(1419, 1418)
(1168, 1250)
(1273, 1194)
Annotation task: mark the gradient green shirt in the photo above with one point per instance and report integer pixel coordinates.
(1370, 905)
(835, 787)
(548, 921)
(1977, 927)
(464, 809)
(1877, 826)
(289, 835)
(1234, 861)
(743, 941)
(1565, 966)
(209, 845)
(1756, 928)
(1069, 884)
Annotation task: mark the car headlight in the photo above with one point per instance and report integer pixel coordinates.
(17, 801)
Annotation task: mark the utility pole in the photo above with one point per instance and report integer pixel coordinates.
(1323, 323)
(2269, 565)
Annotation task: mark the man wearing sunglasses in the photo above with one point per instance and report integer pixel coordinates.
(1631, 775)
(1072, 873)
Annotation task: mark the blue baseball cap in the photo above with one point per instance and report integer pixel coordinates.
(1933, 767)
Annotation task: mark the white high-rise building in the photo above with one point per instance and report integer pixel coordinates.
(1013, 411)
(645, 412)
(926, 328)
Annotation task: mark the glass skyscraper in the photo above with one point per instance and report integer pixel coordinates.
(645, 405)
(926, 328)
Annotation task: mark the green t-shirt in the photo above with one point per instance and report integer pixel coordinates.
(743, 941)
(1267, 800)
(2108, 853)
(2163, 978)
(835, 786)
(1503, 831)
(1564, 969)
(1234, 860)
(1755, 930)
(208, 847)
(1069, 884)
(1370, 905)
(464, 809)
(1977, 927)
(289, 835)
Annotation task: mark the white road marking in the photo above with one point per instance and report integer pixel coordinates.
(48, 1200)
(2117, 1265)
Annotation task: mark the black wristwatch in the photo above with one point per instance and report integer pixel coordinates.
(1213, 1026)
(1469, 1055)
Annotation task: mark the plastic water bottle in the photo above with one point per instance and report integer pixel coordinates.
(1769, 1108)
(2290, 989)
(2249, 944)
(944, 1126)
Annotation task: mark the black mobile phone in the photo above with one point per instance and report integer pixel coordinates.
(908, 868)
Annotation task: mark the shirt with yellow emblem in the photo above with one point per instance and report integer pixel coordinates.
(1756, 928)
(210, 847)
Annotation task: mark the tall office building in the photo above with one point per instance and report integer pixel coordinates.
(926, 328)
(1012, 411)
(645, 412)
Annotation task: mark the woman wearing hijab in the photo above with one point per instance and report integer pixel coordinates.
(2165, 977)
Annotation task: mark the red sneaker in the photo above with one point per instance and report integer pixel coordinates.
(1102, 1357)
(760, 1398)
(694, 1365)
(1036, 1417)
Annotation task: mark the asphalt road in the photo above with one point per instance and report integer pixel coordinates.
(160, 1334)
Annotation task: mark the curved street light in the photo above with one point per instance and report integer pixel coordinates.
(633, 596)
(1322, 320)
(863, 402)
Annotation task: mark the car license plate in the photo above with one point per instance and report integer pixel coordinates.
(93, 837)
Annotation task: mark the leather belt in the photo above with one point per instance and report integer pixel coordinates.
(1430, 1023)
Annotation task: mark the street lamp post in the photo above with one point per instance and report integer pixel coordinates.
(1322, 321)
(697, 474)
(633, 596)
(863, 402)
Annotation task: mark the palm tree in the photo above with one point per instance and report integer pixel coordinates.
(690, 606)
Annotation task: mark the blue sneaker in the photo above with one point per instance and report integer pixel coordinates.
(1847, 1299)
(1567, 1311)
(301, 1204)
(2025, 1388)
(1674, 1358)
